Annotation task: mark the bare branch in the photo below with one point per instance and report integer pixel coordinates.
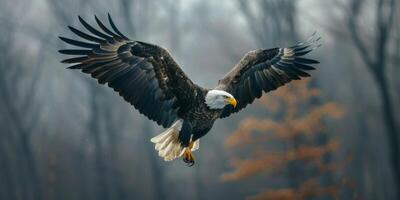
(355, 11)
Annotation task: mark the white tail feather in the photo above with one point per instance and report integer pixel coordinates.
(167, 143)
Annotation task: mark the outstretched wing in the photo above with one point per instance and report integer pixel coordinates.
(145, 75)
(265, 70)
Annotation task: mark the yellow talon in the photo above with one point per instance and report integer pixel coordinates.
(188, 156)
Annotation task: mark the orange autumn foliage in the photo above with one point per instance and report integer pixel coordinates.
(298, 118)
(308, 189)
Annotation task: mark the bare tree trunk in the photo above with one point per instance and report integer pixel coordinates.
(126, 13)
(22, 133)
(7, 183)
(175, 37)
(100, 184)
(199, 185)
(157, 175)
(392, 131)
(375, 60)
(111, 175)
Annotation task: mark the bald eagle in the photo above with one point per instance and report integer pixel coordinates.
(147, 77)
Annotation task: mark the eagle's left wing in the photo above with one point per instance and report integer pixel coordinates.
(145, 75)
(265, 70)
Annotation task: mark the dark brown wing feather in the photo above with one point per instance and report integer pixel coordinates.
(265, 70)
(145, 75)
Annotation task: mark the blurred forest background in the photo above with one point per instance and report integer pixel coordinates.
(335, 136)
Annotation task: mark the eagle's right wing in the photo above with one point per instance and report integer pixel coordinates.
(145, 75)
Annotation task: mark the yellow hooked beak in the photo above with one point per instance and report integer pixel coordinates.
(231, 101)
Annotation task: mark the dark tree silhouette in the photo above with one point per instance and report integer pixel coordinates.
(23, 111)
(374, 52)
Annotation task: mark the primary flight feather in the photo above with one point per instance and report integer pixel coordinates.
(147, 77)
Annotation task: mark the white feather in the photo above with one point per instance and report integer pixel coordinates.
(167, 143)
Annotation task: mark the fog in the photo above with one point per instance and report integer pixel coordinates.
(63, 136)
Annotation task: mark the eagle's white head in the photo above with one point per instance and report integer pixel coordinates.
(218, 99)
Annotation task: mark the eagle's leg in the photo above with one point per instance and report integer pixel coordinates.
(188, 157)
